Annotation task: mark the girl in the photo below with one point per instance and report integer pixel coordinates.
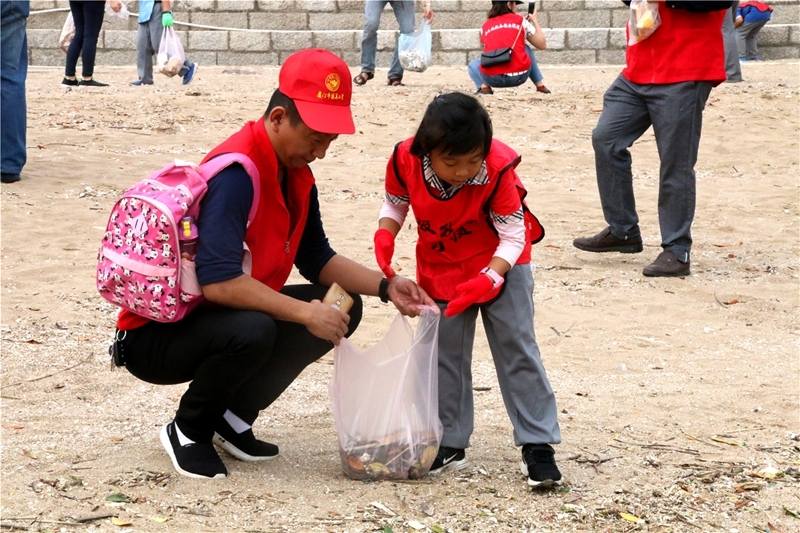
(505, 28)
(473, 253)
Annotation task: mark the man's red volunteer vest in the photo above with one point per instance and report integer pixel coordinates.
(686, 47)
(500, 32)
(274, 235)
(456, 238)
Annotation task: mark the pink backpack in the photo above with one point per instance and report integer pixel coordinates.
(140, 267)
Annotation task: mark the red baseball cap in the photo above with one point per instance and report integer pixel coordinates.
(319, 83)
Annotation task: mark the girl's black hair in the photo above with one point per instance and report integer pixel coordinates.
(456, 124)
(499, 9)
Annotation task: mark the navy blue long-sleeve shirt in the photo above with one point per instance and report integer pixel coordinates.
(222, 225)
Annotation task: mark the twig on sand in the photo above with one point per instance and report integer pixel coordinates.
(36, 520)
(685, 520)
(48, 375)
(92, 518)
(664, 447)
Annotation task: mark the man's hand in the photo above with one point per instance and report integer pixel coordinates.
(116, 5)
(384, 250)
(427, 12)
(166, 19)
(471, 291)
(327, 323)
(408, 297)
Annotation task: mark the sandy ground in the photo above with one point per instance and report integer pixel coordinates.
(678, 397)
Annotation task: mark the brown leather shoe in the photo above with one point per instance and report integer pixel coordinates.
(667, 265)
(605, 241)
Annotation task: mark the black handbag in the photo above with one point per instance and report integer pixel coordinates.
(499, 56)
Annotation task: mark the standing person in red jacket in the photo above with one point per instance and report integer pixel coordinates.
(240, 353)
(665, 84)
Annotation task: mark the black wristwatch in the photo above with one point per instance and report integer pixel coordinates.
(383, 290)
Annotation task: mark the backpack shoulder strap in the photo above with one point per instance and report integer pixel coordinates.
(214, 166)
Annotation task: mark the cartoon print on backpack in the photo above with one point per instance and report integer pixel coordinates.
(139, 262)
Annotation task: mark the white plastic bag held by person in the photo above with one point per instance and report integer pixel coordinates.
(385, 402)
(170, 56)
(414, 49)
(67, 33)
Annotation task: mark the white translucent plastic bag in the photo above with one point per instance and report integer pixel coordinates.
(414, 49)
(67, 32)
(122, 13)
(386, 401)
(170, 56)
(644, 21)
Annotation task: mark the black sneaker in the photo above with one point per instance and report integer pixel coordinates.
(539, 464)
(66, 82)
(92, 83)
(449, 459)
(244, 446)
(199, 460)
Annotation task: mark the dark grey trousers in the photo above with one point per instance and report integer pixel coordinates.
(527, 394)
(148, 39)
(676, 113)
(746, 38)
(732, 67)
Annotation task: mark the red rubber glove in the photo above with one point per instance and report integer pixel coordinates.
(471, 291)
(384, 250)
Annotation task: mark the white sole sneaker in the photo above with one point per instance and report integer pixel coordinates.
(545, 484)
(165, 442)
(454, 466)
(239, 454)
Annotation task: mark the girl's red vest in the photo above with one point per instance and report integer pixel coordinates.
(274, 235)
(456, 237)
(686, 47)
(500, 32)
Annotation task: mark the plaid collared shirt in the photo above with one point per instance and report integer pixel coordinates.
(447, 191)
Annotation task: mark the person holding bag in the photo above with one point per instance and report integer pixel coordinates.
(88, 19)
(241, 353)
(474, 237)
(154, 16)
(506, 61)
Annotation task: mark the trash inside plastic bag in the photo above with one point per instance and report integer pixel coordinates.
(385, 402)
(414, 49)
(170, 56)
(644, 21)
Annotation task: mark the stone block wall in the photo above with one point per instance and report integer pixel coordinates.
(264, 32)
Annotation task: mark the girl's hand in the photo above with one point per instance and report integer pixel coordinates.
(116, 5)
(471, 291)
(384, 250)
(427, 13)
